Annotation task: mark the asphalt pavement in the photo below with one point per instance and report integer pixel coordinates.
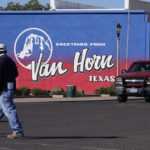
(86, 124)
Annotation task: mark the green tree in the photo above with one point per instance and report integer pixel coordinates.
(13, 6)
(1, 8)
(47, 7)
(31, 5)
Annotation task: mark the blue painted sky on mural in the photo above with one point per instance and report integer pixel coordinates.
(103, 3)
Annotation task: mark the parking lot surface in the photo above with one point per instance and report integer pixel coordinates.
(80, 125)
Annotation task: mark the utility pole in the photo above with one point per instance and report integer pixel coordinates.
(52, 4)
(126, 3)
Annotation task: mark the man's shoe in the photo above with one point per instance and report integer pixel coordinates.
(15, 136)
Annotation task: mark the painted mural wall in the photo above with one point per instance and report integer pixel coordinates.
(60, 48)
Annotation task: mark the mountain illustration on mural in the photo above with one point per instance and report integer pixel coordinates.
(33, 43)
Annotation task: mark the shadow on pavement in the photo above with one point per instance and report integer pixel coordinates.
(71, 137)
(3, 121)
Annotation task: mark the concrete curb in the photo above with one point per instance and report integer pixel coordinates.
(64, 99)
(72, 99)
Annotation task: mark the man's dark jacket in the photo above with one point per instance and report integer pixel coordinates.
(8, 71)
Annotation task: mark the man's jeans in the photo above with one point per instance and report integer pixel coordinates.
(8, 108)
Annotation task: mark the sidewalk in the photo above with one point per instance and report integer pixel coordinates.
(64, 99)
(67, 99)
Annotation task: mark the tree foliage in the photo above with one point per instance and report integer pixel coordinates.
(31, 5)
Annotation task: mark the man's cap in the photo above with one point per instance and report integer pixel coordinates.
(3, 48)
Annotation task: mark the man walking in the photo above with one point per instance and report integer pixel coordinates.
(8, 74)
